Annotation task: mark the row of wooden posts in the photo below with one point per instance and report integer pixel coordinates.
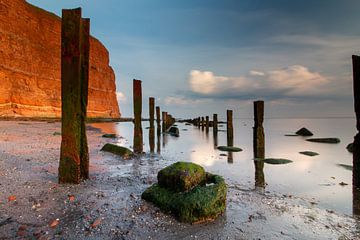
(74, 156)
(167, 119)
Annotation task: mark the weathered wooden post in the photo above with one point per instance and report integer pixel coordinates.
(152, 126)
(158, 120)
(138, 133)
(356, 144)
(259, 143)
(215, 130)
(207, 124)
(202, 123)
(230, 129)
(75, 47)
(163, 122)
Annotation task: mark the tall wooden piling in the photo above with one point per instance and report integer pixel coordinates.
(75, 47)
(152, 126)
(230, 129)
(356, 144)
(207, 124)
(137, 101)
(202, 123)
(199, 122)
(259, 143)
(163, 122)
(158, 120)
(215, 123)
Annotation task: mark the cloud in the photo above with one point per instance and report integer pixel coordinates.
(121, 97)
(182, 101)
(293, 81)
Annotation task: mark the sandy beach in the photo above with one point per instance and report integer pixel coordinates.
(108, 206)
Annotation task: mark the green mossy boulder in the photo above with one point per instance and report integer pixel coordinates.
(118, 150)
(309, 153)
(203, 203)
(109, 135)
(229, 149)
(274, 161)
(181, 176)
(324, 140)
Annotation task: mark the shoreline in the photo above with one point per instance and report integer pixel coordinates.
(109, 206)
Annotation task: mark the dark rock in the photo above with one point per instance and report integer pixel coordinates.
(350, 147)
(181, 176)
(304, 132)
(109, 135)
(57, 134)
(309, 153)
(202, 203)
(174, 131)
(275, 161)
(229, 149)
(324, 140)
(291, 135)
(345, 166)
(118, 150)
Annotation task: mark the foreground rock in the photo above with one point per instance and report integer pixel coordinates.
(118, 150)
(309, 153)
(324, 140)
(204, 202)
(304, 132)
(229, 149)
(181, 176)
(174, 131)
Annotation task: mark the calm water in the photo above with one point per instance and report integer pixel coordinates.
(314, 178)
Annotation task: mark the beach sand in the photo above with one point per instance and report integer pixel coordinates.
(109, 206)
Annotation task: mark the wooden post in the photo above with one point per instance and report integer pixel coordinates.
(207, 124)
(230, 129)
(75, 47)
(163, 122)
(259, 143)
(356, 144)
(215, 123)
(202, 123)
(138, 134)
(152, 126)
(158, 120)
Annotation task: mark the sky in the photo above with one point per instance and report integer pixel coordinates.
(199, 57)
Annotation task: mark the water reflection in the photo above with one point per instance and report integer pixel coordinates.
(215, 136)
(158, 138)
(152, 139)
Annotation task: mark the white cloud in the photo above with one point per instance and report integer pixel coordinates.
(293, 81)
(181, 101)
(121, 97)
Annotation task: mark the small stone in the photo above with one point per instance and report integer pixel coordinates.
(304, 132)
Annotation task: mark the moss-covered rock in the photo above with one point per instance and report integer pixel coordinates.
(118, 150)
(309, 153)
(324, 140)
(229, 149)
(109, 135)
(202, 203)
(181, 176)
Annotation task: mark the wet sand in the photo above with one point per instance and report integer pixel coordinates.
(108, 205)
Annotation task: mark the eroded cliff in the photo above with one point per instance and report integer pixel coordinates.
(30, 45)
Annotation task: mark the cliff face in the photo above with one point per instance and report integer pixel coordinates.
(30, 51)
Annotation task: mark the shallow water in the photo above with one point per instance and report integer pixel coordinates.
(315, 178)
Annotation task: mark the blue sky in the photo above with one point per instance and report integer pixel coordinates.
(200, 57)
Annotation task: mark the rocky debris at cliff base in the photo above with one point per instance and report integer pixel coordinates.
(324, 140)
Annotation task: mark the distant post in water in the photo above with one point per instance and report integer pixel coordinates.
(356, 144)
(259, 143)
(198, 122)
(137, 101)
(230, 129)
(202, 123)
(163, 122)
(207, 124)
(75, 48)
(158, 120)
(152, 126)
(215, 123)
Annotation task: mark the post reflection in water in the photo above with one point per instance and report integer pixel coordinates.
(165, 139)
(158, 142)
(356, 202)
(259, 143)
(152, 139)
(215, 135)
(230, 157)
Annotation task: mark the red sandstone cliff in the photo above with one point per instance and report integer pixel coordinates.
(30, 45)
